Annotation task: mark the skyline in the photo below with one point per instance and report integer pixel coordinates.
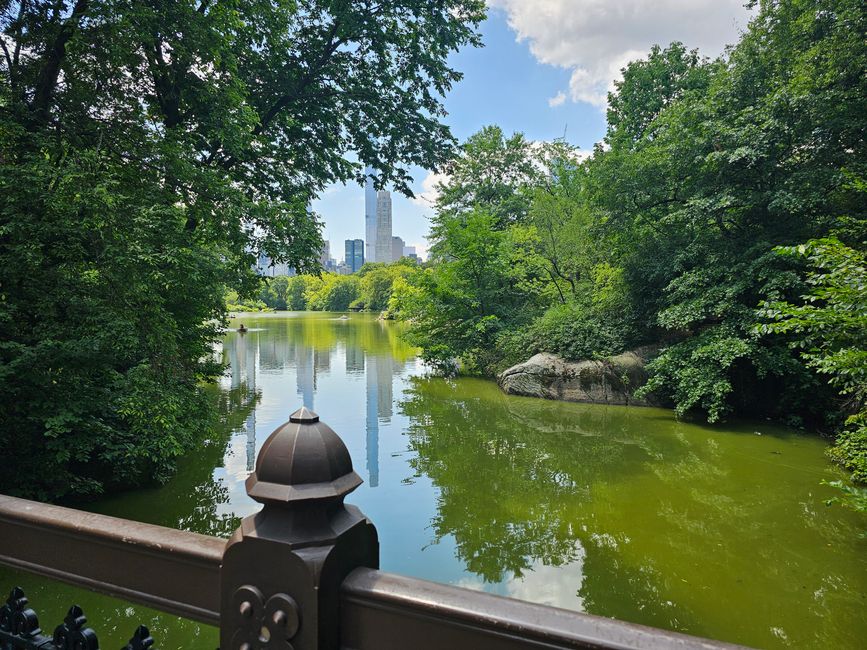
(543, 73)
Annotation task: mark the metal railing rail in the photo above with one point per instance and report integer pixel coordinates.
(301, 573)
(171, 570)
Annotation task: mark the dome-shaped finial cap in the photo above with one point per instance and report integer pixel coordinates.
(303, 460)
(304, 416)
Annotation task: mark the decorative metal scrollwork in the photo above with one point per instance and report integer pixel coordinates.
(72, 635)
(19, 628)
(141, 640)
(261, 623)
(17, 618)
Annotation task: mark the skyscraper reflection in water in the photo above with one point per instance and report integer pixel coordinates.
(243, 358)
(274, 353)
(379, 376)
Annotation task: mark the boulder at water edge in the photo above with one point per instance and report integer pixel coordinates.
(613, 380)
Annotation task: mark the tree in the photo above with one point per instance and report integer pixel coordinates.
(487, 281)
(648, 86)
(829, 330)
(756, 161)
(149, 152)
(331, 292)
(490, 172)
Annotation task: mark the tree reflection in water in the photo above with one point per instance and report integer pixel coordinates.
(511, 472)
(687, 527)
(195, 499)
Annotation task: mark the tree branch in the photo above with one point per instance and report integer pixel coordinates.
(312, 71)
(8, 60)
(46, 82)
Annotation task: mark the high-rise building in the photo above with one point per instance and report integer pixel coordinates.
(353, 255)
(369, 216)
(383, 226)
(325, 253)
(409, 251)
(397, 245)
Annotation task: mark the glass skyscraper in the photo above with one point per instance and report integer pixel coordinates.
(353, 255)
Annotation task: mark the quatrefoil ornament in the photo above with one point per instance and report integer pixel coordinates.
(261, 623)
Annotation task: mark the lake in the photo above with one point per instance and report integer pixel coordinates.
(623, 512)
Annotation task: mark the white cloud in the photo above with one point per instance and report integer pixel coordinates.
(557, 99)
(430, 189)
(596, 38)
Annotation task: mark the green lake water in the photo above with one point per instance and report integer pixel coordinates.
(622, 512)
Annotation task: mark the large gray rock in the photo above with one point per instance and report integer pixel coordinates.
(608, 381)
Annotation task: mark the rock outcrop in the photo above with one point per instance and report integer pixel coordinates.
(613, 380)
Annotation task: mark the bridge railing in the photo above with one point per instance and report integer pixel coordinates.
(301, 574)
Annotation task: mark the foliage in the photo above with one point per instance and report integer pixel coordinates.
(571, 330)
(377, 281)
(331, 292)
(747, 154)
(852, 497)
(668, 232)
(830, 326)
(370, 289)
(490, 172)
(235, 304)
(829, 330)
(486, 280)
(150, 151)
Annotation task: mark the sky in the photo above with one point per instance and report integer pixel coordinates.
(544, 70)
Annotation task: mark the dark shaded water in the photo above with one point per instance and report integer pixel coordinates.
(622, 512)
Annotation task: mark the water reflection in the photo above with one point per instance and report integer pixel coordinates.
(304, 348)
(622, 512)
(512, 474)
(630, 514)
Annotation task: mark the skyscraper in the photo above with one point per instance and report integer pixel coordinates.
(325, 253)
(383, 226)
(369, 216)
(397, 246)
(354, 254)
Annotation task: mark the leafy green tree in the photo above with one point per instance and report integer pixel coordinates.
(377, 281)
(487, 280)
(490, 173)
(331, 292)
(648, 86)
(275, 292)
(756, 161)
(149, 152)
(829, 330)
(667, 233)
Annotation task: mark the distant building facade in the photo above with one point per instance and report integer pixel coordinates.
(383, 226)
(410, 252)
(353, 256)
(325, 253)
(370, 216)
(397, 246)
(268, 268)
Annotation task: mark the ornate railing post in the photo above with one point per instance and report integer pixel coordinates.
(282, 569)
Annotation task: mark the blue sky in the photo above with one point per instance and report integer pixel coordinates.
(545, 68)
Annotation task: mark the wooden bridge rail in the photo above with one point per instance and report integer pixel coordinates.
(301, 574)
